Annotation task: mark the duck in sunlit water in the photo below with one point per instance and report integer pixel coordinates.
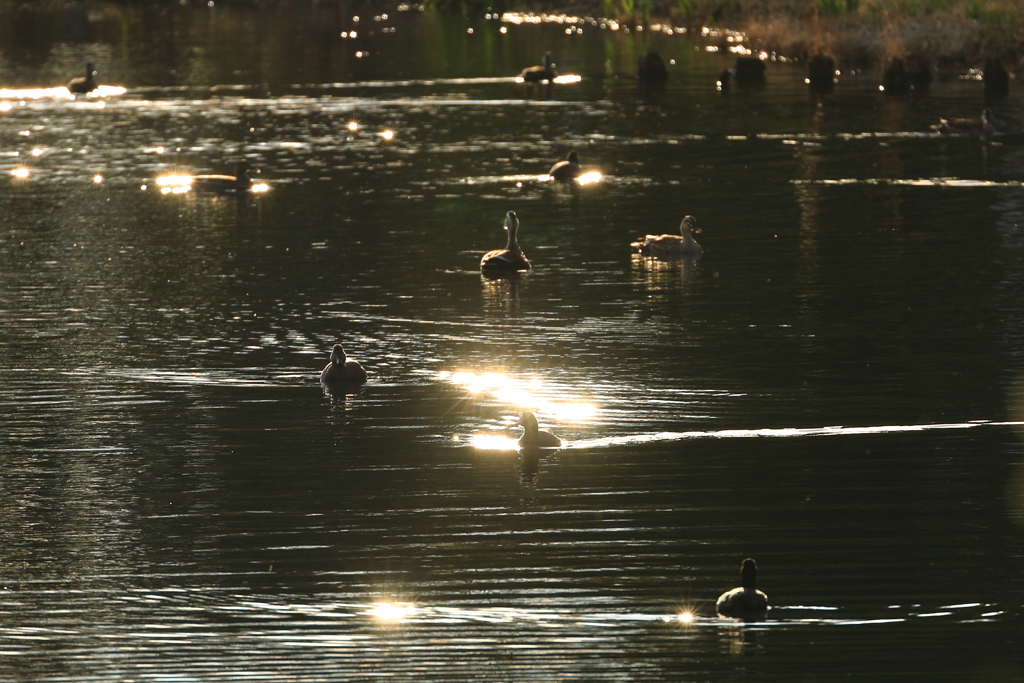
(745, 602)
(80, 85)
(671, 246)
(983, 126)
(239, 182)
(534, 436)
(539, 74)
(342, 369)
(511, 259)
(568, 169)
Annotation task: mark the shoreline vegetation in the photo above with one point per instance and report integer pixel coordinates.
(906, 37)
(857, 34)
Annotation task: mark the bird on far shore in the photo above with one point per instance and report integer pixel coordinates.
(984, 126)
(80, 85)
(539, 74)
(745, 602)
(225, 183)
(567, 169)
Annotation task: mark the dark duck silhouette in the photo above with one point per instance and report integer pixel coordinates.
(984, 126)
(995, 78)
(342, 369)
(651, 68)
(534, 436)
(81, 85)
(539, 74)
(671, 246)
(748, 71)
(225, 183)
(511, 259)
(745, 602)
(821, 74)
(568, 169)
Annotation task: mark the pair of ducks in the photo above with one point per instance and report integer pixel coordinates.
(511, 259)
(344, 370)
(650, 69)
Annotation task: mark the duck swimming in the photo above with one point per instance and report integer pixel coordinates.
(745, 602)
(341, 369)
(511, 259)
(538, 74)
(985, 126)
(533, 436)
(225, 183)
(567, 169)
(80, 85)
(671, 246)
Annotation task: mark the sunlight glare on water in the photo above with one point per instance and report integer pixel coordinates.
(59, 92)
(493, 442)
(823, 389)
(524, 394)
(392, 611)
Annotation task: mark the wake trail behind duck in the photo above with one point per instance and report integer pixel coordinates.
(781, 433)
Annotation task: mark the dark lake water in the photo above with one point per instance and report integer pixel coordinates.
(834, 388)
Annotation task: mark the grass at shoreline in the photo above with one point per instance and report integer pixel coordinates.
(951, 34)
(858, 33)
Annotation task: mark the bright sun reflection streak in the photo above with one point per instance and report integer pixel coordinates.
(109, 91)
(387, 134)
(391, 611)
(20, 172)
(174, 180)
(561, 80)
(353, 126)
(588, 178)
(59, 92)
(524, 394)
(493, 442)
(179, 184)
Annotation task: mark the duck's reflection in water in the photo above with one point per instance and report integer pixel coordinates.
(741, 639)
(501, 293)
(664, 273)
(529, 465)
(529, 459)
(339, 394)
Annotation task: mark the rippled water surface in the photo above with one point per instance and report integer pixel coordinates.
(832, 388)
